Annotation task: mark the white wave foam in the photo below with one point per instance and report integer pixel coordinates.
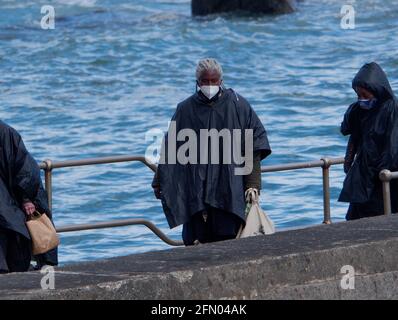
(81, 3)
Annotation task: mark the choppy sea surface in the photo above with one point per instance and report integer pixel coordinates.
(112, 70)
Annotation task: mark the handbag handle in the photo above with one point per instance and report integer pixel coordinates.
(251, 195)
(36, 215)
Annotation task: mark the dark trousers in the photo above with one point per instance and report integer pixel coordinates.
(375, 206)
(372, 208)
(211, 225)
(15, 252)
(365, 210)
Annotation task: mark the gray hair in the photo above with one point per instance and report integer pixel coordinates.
(208, 64)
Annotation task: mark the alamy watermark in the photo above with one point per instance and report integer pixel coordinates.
(347, 16)
(202, 147)
(48, 280)
(348, 280)
(48, 20)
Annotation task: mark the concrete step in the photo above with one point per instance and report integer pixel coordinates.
(296, 264)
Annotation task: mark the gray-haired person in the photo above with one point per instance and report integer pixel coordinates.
(206, 196)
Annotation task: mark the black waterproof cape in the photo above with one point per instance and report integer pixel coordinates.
(19, 178)
(376, 132)
(187, 188)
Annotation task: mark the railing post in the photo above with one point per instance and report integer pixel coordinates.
(385, 177)
(326, 191)
(48, 182)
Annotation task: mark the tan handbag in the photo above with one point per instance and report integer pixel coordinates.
(42, 232)
(257, 221)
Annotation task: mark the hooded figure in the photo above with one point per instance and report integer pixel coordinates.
(20, 183)
(372, 123)
(207, 196)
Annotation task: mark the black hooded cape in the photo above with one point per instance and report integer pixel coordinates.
(187, 188)
(376, 133)
(20, 178)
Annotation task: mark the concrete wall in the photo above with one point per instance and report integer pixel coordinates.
(205, 7)
(297, 264)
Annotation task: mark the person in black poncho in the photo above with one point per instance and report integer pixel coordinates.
(372, 123)
(207, 197)
(21, 193)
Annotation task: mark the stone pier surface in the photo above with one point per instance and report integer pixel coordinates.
(205, 7)
(295, 264)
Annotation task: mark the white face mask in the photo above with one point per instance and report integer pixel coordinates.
(210, 91)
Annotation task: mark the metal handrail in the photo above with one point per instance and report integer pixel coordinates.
(302, 165)
(325, 163)
(386, 176)
(120, 223)
(48, 166)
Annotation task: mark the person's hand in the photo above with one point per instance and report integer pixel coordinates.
(251, 194)
(157, 191)
(29, 208)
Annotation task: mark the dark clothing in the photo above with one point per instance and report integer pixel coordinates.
(374, 141)
(190, 188)
(253, 180)
(20, 180)
(350, 153)
(15, 252)
(211, 225)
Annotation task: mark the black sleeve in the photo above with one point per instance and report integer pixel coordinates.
(253, 122)
(253, 180)
(24, 169)
(155, 180)
(260, 143)
(352, 147)
(350, 122)
(389, 155)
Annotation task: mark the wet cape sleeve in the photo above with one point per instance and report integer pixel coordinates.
(165, 142)
(349, 124)
(389, 155)
(260, 139)
(253, 180)
(25, 171)
(168, 177)
(350, 153)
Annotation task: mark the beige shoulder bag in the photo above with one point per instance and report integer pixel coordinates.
(42, 232)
